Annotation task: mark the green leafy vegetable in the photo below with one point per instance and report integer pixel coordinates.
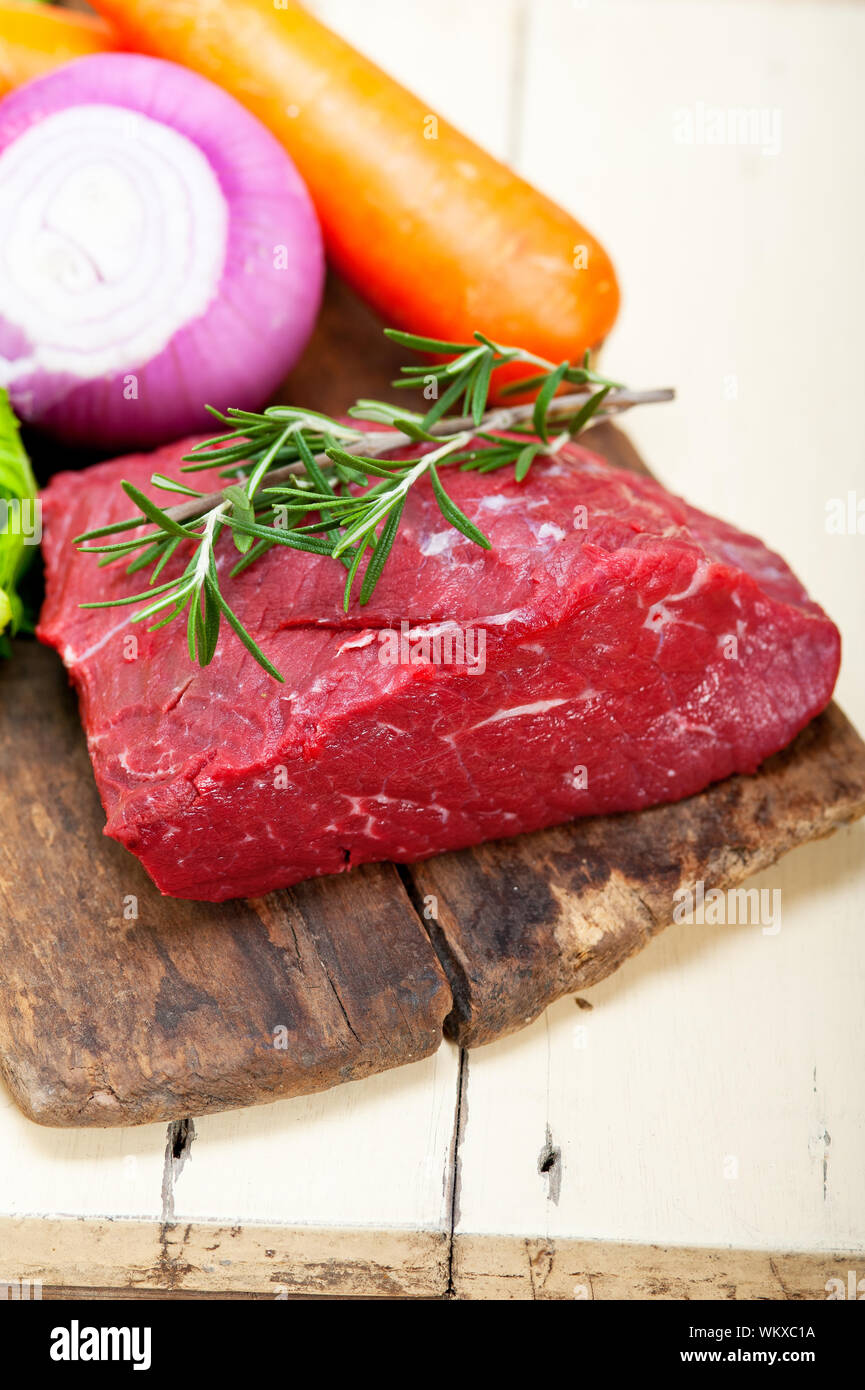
(19, 532)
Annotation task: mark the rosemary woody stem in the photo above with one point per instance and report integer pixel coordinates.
(369, 444)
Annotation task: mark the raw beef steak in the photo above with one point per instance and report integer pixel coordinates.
(616, 648)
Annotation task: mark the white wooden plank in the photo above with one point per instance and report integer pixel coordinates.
(57, 1172)
(713, 1096)
(698, 1101)
(212, 1258)
(373, 1153)
(513, 1268)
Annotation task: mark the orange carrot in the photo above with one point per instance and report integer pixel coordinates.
(439, 237)
(36, 38)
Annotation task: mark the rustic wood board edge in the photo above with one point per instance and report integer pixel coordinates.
(213, 1257)
(556, 912)
(521, 922)
(209, 1259)
(119, 1006)
(508, 1267)
(53, 1293)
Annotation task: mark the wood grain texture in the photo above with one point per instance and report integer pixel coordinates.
(503, 1267)
(108, 1018)
(213, 1257)
(521, 922)
(134, 1258)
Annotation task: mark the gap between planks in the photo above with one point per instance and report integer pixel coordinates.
(181, 1134)
(439, 945)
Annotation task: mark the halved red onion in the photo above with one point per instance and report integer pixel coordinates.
(158, 252)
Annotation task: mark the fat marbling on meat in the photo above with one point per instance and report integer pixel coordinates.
(619, 649)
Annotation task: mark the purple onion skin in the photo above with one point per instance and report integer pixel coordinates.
(258, 321)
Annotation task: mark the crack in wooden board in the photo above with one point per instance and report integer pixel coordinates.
(521, 922)
(110, 1018)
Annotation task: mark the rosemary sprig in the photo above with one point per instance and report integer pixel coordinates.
(304, 480)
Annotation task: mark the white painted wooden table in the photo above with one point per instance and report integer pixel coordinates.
(711, 1102)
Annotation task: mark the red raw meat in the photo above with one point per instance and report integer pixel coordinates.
(635, 651)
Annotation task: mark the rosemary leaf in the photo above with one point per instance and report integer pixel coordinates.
(446, 400)
(250, 557)
(353, 568)
(251, 645)
(417, 344)
(373, 570)
(172, 485)
(164, 558)
(134, 598)
(356, 463)
(242, 508)
(280, 537)
(543, 399)
(147, 557)
(583, 416)
(481, 388)
(154, 513)
(451, 511)
(525, 459)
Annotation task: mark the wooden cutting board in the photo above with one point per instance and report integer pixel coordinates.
(119, 1006)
